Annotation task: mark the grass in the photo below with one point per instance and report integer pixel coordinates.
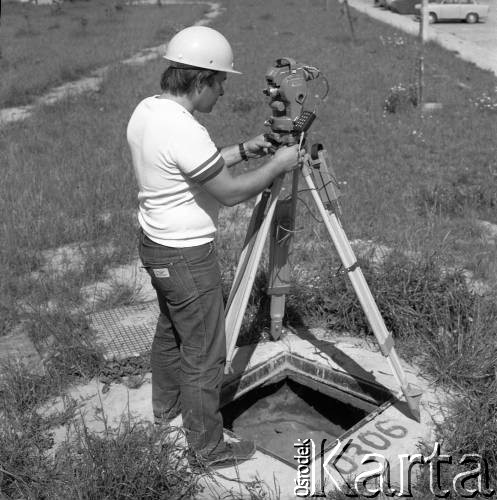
(35, 40)
(131, 461)
(417, 183)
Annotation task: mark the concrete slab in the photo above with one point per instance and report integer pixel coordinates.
(390, 430)
(344, 363)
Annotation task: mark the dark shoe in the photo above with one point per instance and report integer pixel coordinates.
(229, 454)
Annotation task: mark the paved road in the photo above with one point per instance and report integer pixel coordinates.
(474, 42)
(483, 34)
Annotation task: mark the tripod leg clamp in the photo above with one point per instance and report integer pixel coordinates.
(353, 267)
(350, 269)
(387, 345)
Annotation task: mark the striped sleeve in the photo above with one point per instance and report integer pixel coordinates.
(208, 169)
(195, 153)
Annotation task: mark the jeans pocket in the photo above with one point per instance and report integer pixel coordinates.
(173, 282)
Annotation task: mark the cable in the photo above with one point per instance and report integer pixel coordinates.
(333, 182)
(288, 233)
(320, 221)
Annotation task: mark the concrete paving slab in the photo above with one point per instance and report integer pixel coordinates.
(388, 429)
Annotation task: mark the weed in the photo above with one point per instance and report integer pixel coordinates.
(66, 343)
(8, 315)
(486, 101)
(470, 429)
(394, 40)
(72, 362)
(469, 190)
(131, 461)
(400, 97)
(21, 391)
(24, 435)
(415, 298)
(118, 294)
(23, 464)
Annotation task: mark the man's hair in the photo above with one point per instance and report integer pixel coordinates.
(180, 80)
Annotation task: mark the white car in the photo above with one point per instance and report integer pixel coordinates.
(455, 10)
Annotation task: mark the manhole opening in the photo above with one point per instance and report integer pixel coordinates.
(275, 415)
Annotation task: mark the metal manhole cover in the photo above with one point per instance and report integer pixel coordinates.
(126, 331)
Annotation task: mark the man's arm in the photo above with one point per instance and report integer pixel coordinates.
(253, 148)
(231, 155)
(231, 189)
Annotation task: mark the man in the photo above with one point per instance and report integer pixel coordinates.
(182, 179)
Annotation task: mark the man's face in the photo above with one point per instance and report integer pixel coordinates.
(208, 96)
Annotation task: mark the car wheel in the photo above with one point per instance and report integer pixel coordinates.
(472, 18)
(432, 18)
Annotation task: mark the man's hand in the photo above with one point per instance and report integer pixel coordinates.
(257, 146)
(231, 189)
(289, 157)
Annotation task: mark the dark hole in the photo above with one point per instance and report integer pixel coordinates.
(276, 415)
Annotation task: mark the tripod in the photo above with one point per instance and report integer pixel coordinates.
(278, 217)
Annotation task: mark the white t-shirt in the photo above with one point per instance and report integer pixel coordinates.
(173, 155)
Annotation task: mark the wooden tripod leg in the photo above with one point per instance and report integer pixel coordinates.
(349, 261)
(248, 244)
(246, 272)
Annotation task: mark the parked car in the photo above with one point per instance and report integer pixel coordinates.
(406, 6)
(455, 10)
(383, 3)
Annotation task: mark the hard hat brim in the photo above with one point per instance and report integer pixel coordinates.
(182, 65)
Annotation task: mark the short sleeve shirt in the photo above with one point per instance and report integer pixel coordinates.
(173, 155)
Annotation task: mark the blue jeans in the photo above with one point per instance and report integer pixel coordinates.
(189, 346)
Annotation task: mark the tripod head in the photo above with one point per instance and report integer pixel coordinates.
(287, 89)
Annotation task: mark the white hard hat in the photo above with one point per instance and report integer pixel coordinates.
(201, 47)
